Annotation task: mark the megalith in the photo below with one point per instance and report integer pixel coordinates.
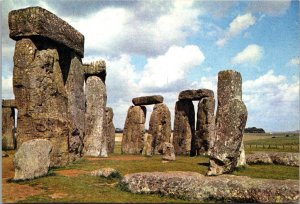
(147, 100)
(95, 141)
(134, 130)
(224, 148)
(184, 127)
(8, 124)
(47, 61)
(160, 127)
(110, 130)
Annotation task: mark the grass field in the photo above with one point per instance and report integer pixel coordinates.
(74, 184)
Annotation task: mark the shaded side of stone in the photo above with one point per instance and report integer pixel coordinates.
(160, 127)
(184, 127)
(97, 68)
(95, 143)
(147, 100)
(110, 130)
(195, 94)
(134, 130)
(40, 95)
(196, 187)
(8, 128)
(76, 106)
(204, 126)
(36, 21)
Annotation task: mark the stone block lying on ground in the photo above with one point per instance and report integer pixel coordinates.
(147, 100)
(32, 159)
(106, 172)
(195, 94)
(282, 158)
(197, 187)
(168, 152)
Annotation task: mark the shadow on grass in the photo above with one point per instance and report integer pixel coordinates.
(203, 164)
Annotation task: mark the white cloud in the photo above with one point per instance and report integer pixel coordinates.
(251, 54)
(169, 69)
(294, 62)
(273, 8)
(238, 25)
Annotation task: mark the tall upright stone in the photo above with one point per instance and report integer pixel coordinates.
(160, 127)
(95, 141)
(184, 127)
(231, 117)
(110, 130)
(45, 50)
(8, 124)
(134, 130)
(204, 126)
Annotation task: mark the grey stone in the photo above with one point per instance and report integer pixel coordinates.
(97, 68)
(32, 159)
(106, 173)
(168, 152)
(281, 158)
(195, 94)
(148, 150)
(38, 22)
(160, 127)
(110, 130)
(134, 130)
(184, 127)
(196, 187)
(242, 157)
(8, 125)
(147, 100)
(95, 141)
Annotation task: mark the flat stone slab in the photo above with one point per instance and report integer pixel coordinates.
(8, 103)
(281, 158)
(147, 100)
(195, 94)
(36, 21)
(97, 68)
(197, 187)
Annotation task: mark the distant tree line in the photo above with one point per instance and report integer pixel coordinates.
(254, 130)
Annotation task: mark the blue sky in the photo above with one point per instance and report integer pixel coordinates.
(164, 47)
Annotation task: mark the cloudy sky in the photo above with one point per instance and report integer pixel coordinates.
(164, 47)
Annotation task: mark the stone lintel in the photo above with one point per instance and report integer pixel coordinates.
(195, 94)
(36, 21)
(147, 100)
(97, 68)
(8, 103)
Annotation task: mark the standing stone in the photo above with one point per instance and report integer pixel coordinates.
(110, 130)
(95, 141)
(184, 127)
(160, 127)
(45, 47)
(148, 150)
(230, 123)
(242, 158)
(32, 159)
(134, 130)
(204, 126)
(168, 152)
(8, 124)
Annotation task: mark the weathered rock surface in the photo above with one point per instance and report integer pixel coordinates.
(160, 127)
(32, 159)
(134, 130)
(195, 94)
(197, 187)
(184, 127)
(95, 141)
(282, 158)
(110, 130)
(231, 117)
(76, 106)
(4, 154)
(106, 172)
(148, 150)
(204, 126)
(36, 21)
(8, 124)
(97, 68)
(147, 100)
(39, 77)
(242, 158)
(168, 152)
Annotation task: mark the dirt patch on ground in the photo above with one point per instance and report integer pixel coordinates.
(8, 167)
(71, 172)
(58, 195)
(118, 158)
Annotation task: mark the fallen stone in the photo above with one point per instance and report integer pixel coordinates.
(195, 94)
(184, 127)
(134, 130)
(36, 21)
(106, 173)
(147, 100)
(225, 188)
(97, 68)
(32, 159)
(110, 130)
(281, 158)
(168, 152)
(160, 127)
